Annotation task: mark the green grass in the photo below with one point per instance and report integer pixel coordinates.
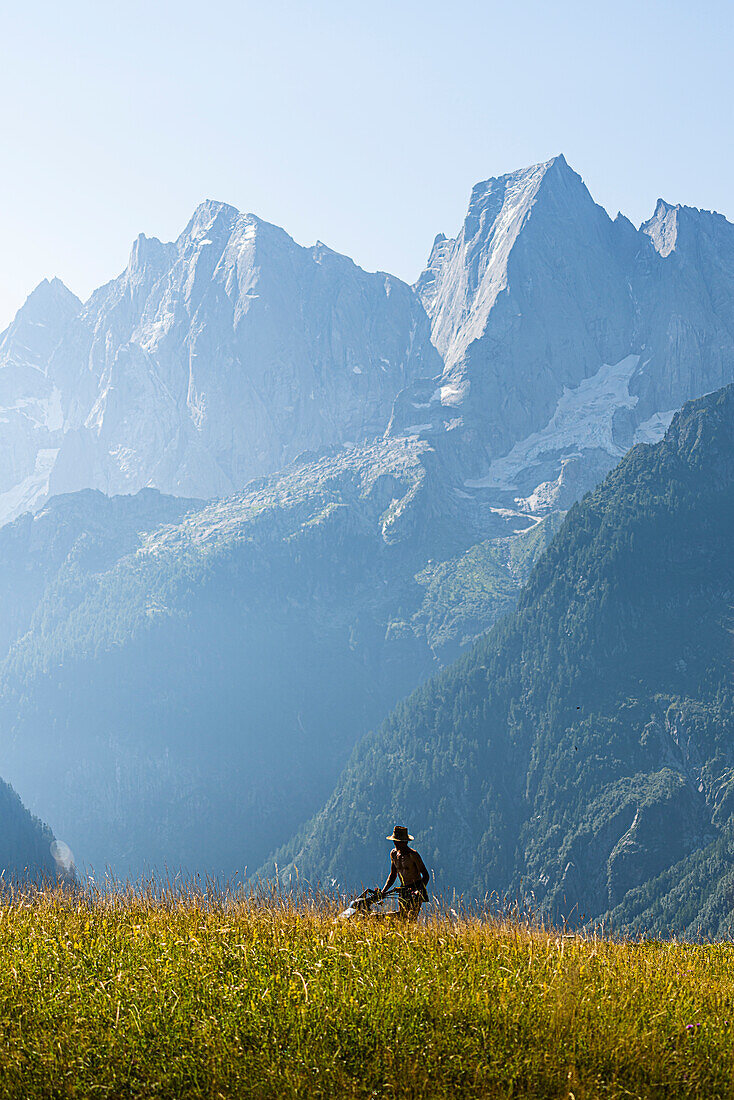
(208, 995)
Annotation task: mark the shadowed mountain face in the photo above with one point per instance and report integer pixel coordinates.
(181, 685)
(28, 851)
(585, 747)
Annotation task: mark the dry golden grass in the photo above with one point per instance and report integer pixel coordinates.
(213, 995)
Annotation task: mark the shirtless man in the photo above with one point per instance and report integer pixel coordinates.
(414, 877)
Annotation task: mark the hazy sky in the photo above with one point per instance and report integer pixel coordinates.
(360, 124)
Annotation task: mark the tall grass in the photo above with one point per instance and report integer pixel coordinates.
(199, 992)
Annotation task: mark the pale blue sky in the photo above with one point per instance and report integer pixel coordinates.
(362, 125)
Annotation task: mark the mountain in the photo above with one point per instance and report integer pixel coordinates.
(31, 416)
(207, 362)
(532, 290)
(568, 337)
(81, 535)
(182, 682)
(28, 851)
(539, 344)
(180, 685)
(583, 751)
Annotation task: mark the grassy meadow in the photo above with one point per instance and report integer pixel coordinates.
(209, 995)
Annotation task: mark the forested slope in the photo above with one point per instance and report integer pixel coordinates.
(585, 747)
(26, 844)
(181, 685)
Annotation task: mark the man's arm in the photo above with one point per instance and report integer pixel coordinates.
(390, 878)
(425, 877)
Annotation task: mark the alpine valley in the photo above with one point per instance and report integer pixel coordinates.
(582, 753)
(254, 496)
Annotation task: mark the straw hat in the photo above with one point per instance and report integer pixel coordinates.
(400, 833)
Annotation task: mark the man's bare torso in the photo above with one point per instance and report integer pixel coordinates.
(408, 865)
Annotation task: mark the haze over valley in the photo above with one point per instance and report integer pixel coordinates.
(267, 518)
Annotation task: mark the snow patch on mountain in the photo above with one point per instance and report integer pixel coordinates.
(450, 394)
(583, 420)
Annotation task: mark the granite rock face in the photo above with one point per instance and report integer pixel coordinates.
(209, 361)
(566, 336)
(538, 345)
(31, 413)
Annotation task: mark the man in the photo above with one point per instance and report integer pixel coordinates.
(414, 877)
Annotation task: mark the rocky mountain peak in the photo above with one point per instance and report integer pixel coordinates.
(697, 236)
(511, 195)
(465, 276)
(509, 198)
(52, 290)
(210, 217)
(662, 227)
(208, 361)
(146, 254)
(39, 324)
(426, 286)
(567, 336)
(321, 253)
(51, 296)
